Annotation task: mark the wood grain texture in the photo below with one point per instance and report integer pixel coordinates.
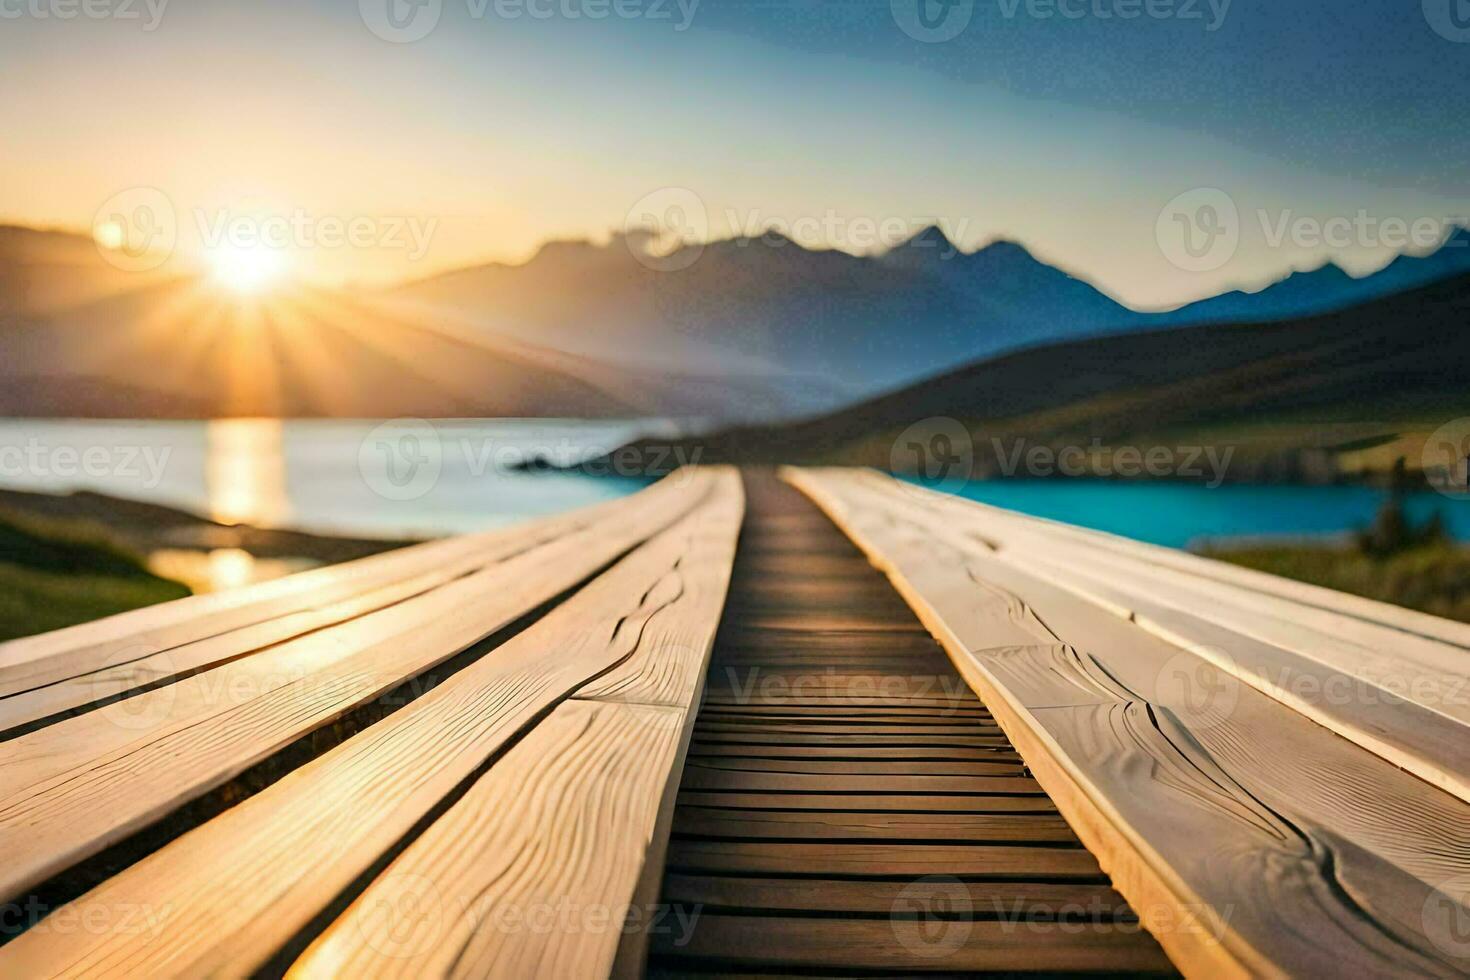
(236, 889)
(134, 637)
(1365, 706)
(107, 683)
(532, 872)
(704, 778)
(852, 777)
(869, 802)
(862, 767)
(1299, 860)
(68, 790)
(879, 896)
(895, 945)
(1372, 679)
(826, 750)
(887, 858)
(712, 822)
(1407, 621)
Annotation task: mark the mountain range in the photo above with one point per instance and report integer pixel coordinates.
(1317, 398)
(749, 330)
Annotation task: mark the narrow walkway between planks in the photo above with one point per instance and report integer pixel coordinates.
(849, 805)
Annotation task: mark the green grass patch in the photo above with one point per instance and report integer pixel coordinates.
(1433, 579)
(56, 574)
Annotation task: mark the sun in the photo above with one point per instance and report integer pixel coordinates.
(247, 270)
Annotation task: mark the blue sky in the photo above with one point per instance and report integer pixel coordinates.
(1062, 124)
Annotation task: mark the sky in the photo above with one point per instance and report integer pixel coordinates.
(1165, 150)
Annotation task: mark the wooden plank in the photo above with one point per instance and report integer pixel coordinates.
(903, 945)
(1395, 691)
(237, 889)
(109, 682)
(754, 740)
(870, 802)
(839, 709)
(133, 637)
(698, 777)
(767, 857)
(894, 827)
(1329, 847)
(826, 750)
(69, 790)
(1358, 607)
(875, 767)
(735, 727)
(1029, 898)
(1413, 717)
(531, 872)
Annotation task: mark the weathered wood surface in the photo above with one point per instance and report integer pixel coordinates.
(72, 788)
(1395, 683)
(843, 802)
(844, 774)
(115, 654)
(235, 892)
(568, 823)
(1251, 840)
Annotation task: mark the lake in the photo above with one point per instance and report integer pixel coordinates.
(1177, 514)
(351, 477)
(429, 478)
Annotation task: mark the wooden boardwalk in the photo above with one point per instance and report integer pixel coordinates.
(610, 740)
(848, 804)
(1267, 771)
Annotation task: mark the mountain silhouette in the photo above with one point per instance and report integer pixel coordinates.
(1278, 392)
(1328, 288)
(742, 330)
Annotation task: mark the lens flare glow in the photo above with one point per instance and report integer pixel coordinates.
(247, 270)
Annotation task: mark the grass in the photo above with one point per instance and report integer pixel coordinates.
(1434, 578)
(55, 574)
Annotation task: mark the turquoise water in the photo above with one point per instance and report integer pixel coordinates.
(335, 476)
(1175, 514)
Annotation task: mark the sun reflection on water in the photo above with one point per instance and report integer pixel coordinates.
(245, 472)
(222, 568)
